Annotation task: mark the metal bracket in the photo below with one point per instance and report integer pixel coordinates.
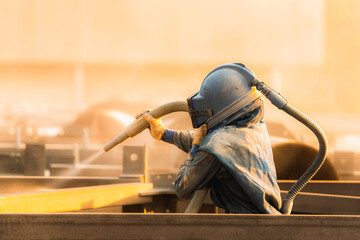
(135, 161)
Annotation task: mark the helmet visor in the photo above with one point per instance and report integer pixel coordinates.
(198, 111)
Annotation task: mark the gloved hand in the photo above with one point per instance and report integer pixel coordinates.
(157, 128)
(199, 134)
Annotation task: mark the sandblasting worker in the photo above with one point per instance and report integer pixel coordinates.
(230, 150)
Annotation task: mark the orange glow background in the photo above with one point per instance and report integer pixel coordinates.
(65, 55)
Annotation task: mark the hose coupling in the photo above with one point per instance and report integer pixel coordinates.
(287, 206)
(274, 97)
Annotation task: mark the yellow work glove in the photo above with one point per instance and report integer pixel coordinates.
(199, 134)
(157, 128)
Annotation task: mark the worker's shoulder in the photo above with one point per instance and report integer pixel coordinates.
(235, 130)
(233, 133)
(223, 135)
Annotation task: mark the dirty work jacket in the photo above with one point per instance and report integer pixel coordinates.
(236, 163)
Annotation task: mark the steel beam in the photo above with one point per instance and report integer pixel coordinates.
(74, 199)
(306, 202)
(349, 188)
(177, 226)
(315, 203)
(21, 184)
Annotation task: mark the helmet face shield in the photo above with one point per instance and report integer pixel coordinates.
(198, 110)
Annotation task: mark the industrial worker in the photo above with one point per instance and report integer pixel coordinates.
(230, 150)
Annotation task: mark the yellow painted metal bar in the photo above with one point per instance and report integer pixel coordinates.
(73, 199)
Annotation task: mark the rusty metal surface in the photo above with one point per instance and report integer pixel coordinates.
(177, 226)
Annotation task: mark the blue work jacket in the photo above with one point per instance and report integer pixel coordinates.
(236, 163)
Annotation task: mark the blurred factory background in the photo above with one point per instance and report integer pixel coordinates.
(75, 72)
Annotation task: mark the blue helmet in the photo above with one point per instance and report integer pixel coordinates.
(225, 95)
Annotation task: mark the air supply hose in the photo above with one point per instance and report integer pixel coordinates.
(281, 103)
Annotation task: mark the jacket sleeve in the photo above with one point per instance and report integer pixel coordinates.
(181, 139)
(196, 171)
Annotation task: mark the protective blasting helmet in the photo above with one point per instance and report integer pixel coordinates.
(225, 95)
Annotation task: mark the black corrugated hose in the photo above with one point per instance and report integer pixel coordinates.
(276, 99)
